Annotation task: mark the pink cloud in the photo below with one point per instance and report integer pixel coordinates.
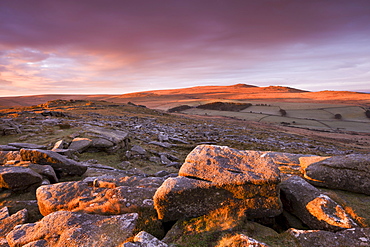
(143, 44)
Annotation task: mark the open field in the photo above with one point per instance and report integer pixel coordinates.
(353, 118)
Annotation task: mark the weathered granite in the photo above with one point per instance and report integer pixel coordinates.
(61, 164)
(64, 228)
(348, 172)
(314, 208)
(215, 176)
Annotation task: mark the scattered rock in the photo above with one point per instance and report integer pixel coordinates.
(161, 144)
(165, 160)
(4, 213)
(80, 144)
(8, 223)
(20, 203)
(53, 114)
(319, 238)
(27, 145)
(6, 156)
(161, 173)
(44, 170)
(316, 210)
(144, 239)
(163, 137)
(8, 148)
(155, 159)
(178, 140)
(61, 144)
(101, 144)
(9, 127)
(61, 164)
(119, 138)
(125, 165)
(18, 178)
(349, 172)
(138, 149)
(72, 229)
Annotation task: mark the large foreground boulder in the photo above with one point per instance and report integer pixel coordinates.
(74, 230)
(104, 195)
(316, 210)
(61, 164)
(349, 172)
(213, 177)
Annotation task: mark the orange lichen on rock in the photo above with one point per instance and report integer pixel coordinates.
(323, 209)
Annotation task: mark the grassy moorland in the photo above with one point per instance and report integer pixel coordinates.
(330, 116)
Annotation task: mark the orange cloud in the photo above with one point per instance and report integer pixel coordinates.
(78, 46)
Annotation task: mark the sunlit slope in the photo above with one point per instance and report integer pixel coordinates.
(165, 99)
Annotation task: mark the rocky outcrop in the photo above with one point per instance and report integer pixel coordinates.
(18, 178)
(215, 176)
(61, 165)
(6, 156)
(349, 172)
(72, 229)
(315, 209)
(318, 238)
(94, 139)
(225, 197)
(109, 140)
(8, 222)
(104, 195)
(9, 127)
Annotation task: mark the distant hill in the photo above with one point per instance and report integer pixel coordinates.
(165, 99)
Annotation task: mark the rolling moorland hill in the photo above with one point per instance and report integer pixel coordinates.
(328, 111)
(165, 99)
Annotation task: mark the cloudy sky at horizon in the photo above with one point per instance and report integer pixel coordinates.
(121, 46)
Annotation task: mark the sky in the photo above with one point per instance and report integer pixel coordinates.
(123, 46)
